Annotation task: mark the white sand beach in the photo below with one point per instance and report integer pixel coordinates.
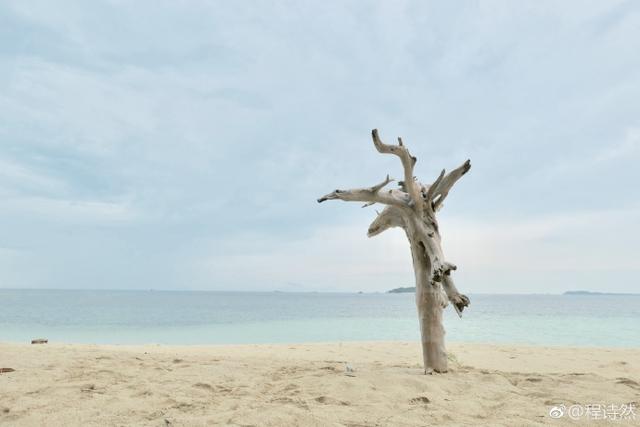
(309, 385)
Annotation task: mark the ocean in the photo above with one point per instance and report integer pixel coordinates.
(193, 317)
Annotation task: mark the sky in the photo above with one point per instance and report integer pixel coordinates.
(183, 145)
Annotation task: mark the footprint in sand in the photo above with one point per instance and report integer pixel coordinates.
(326, 400)
(204, 386)
(419, 400)
(223, 389)
(88, 387)
(91, 389)
(286, 400)
(291, 389)
(184, 406)
(629, 382)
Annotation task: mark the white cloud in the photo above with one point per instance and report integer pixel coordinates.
(222, 124)
(68, 211)
(630, 146)
(331, 258)
(342, 258)
(589, 240)
(13, 174)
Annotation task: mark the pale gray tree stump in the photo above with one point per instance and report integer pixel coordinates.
(412, 207)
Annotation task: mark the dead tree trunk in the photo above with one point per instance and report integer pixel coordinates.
(412, 207)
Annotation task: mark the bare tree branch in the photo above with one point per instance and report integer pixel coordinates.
(443, 187)
(391, 216)
(370, 195)
(408, 162)
(383, 184)
(458, 300)
(431, 192)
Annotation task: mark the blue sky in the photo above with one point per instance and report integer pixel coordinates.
(182, 145)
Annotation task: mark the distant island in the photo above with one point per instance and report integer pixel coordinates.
(594, 293)
(407, 290)
(412, 289)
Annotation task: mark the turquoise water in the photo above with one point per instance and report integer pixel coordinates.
(136, 317)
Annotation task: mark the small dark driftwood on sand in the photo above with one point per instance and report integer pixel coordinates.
(39, 341)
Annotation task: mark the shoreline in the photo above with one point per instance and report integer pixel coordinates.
(314, 343)
(308, 384)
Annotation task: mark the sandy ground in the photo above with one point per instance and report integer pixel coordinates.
(308, 384)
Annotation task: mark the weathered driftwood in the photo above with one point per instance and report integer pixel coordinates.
(412, 207)
(39, 341)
